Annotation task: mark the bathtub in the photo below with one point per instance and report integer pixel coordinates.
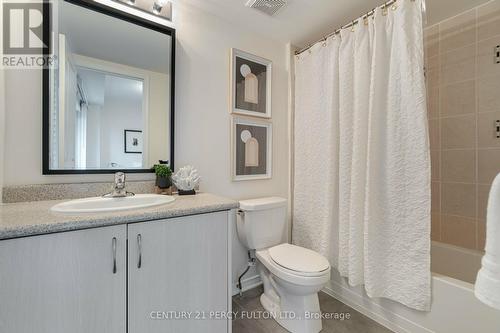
(454, 307)
(456, 262)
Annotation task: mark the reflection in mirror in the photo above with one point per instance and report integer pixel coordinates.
(110, 93)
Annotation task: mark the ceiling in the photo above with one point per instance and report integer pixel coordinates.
(304, 21)
(100, 86)
(103, 37)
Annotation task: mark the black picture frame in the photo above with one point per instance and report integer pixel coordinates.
(101, 8)
(127, 151)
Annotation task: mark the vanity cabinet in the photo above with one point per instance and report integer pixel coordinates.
(64, 282)
(142, 275)
(178, 268)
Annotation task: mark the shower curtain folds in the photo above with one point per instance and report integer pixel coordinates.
(362, 161)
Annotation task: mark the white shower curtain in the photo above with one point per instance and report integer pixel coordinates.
(362, 164)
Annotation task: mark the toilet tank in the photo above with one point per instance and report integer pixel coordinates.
(261, 222)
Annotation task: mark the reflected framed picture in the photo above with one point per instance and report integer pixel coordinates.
(133, 141)
(252, 142)
(251, 78)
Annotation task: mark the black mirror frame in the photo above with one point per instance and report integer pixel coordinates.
(95, 6)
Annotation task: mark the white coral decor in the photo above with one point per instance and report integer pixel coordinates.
(186, 178)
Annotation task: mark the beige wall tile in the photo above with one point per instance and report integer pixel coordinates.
(458, 132)
(486, 129)
(436, 197)
(433, 62)
(435, 227)
(432, 72)
(434, 135)
(458, 166)
(483, 192)
(481, 234)
(488, 93)
(458, 199)
(431, 41)
(458, 98)
(488, 164)
(455, 83)
(458, 65)
(458, 31)
(459, 231)
(486, 65)
(433, 102)
(435, 165)
(488, 20)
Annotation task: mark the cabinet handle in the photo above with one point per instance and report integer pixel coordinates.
(139, 246)
(113, 245)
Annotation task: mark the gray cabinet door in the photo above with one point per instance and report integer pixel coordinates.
(182, 279)
(64, 282)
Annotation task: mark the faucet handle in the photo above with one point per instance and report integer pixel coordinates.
(120, 179)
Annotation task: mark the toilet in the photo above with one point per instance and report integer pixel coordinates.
(292, 275)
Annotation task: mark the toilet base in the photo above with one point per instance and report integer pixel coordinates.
(286, 312)
(269, 305)
(291, 299)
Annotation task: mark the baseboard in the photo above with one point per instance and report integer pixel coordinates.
(372, 310)
(247, 284)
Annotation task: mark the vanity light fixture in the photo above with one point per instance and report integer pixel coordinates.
(161, 8)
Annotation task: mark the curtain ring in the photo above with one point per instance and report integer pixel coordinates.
(384, 10)
(352, 26)
(394, 5)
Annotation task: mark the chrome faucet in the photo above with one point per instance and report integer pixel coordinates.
(119, 190)
(119, 185)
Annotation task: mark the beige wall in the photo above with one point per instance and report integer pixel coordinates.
(463, 83)
(159, 120)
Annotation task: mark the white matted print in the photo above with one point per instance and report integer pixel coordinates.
(251, 78)
(133, 141)
(252, 143)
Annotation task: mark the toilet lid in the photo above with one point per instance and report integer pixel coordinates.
(298, 259)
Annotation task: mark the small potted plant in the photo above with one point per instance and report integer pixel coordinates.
(163, 176)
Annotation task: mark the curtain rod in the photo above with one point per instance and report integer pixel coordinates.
(352, 24)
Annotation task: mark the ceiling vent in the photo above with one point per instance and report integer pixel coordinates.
(269, 7)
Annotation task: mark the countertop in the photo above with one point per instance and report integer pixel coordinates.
(35, 218)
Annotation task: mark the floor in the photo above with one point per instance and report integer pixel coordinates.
(249, 302)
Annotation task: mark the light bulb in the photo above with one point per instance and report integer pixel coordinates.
(158, 5)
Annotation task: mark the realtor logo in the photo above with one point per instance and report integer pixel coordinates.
(23, 28)
(26, 37)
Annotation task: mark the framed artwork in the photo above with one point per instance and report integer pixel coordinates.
(251, 78)
(252, 143)
(133, 141)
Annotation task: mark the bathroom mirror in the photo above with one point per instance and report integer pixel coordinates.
(109, 98)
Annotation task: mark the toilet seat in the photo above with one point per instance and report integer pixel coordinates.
(298, 259)
(292, 276)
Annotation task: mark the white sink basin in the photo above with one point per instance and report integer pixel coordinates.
(102, 205)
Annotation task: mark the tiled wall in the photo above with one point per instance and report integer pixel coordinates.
(463, 87)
